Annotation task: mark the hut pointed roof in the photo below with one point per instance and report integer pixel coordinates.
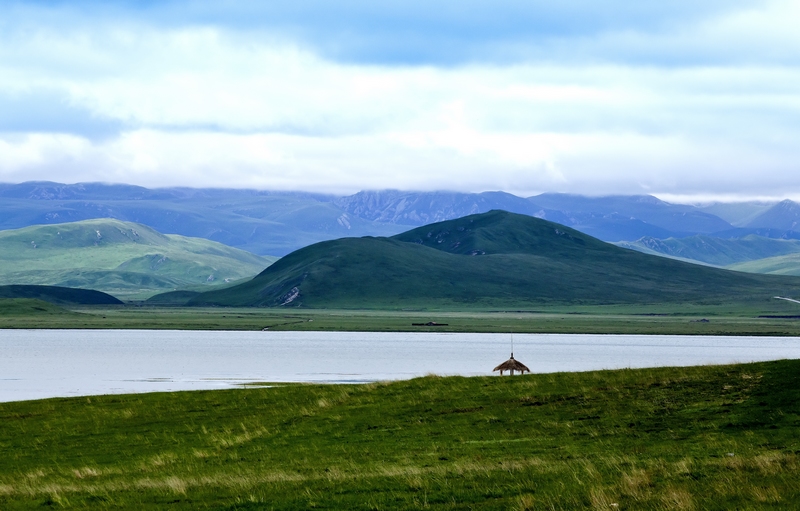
(512, 365)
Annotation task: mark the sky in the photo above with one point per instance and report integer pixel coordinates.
(685, 100)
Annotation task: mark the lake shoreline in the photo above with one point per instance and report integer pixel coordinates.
(774, 318)
(38, 364)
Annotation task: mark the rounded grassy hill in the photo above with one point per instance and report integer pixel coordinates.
(495, 259)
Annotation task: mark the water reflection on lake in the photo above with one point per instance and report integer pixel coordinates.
(48, 363)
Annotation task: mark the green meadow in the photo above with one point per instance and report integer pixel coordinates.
(715, 437)
(767, 317)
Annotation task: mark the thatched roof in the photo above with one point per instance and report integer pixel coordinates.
(511, 365)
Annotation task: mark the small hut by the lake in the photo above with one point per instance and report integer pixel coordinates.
(511, 365)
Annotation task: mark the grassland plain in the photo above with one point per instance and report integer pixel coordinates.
(30, 307)
(772, 317)
(714, 437)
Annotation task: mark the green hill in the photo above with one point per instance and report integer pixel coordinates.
(59, 295)
(779, 265)
(171, 298)
(716, 251)
(496, 259)
(122, 258)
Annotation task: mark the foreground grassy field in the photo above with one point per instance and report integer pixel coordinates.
(769, 317)
(720, 437)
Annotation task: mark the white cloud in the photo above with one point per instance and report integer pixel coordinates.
(205, 106)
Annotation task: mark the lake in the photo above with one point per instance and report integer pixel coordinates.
(38, 364)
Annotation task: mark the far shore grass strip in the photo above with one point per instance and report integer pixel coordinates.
(769, 318)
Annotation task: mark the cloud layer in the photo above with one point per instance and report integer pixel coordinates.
(337, 97)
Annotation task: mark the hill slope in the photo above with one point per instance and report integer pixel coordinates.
(57, 295)
(716, 251)
(779, 265)
(120, 258)
(496, 259)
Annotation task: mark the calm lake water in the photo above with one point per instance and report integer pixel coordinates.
(37, 364)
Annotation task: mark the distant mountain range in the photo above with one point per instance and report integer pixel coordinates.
(277, 223)
(494, 259)
(264, 223)
(420, 208)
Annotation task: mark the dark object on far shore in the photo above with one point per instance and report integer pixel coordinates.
(429, 323)
(511, 365)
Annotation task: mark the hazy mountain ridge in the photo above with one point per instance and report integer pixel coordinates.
(268, 223)
(277, 223)
(419, 208)
(784, 215)
(48, 190)
(738, 214)
(586, 213)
